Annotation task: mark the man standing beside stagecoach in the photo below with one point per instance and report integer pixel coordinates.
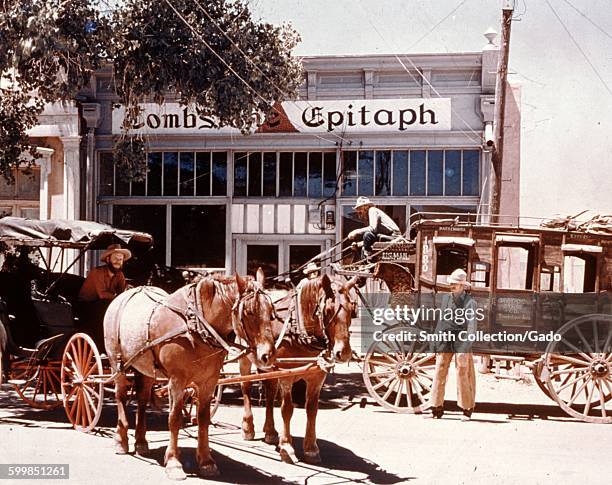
(458, 299)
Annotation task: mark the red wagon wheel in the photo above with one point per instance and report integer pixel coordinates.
(37, 382)
(580, 368)
(397, 374)
(82, 382)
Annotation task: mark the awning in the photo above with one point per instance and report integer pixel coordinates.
(581, 248)
(462, 241)
(512, 238)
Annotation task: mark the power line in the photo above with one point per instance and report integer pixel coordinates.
(583, 15)
(580, 49)
(436, 25)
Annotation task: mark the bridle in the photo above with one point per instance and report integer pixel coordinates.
(238, 312)
(320, 315)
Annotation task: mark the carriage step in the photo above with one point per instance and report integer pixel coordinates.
(16, 382)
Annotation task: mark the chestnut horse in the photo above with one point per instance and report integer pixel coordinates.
(183, 337)
(321, 311)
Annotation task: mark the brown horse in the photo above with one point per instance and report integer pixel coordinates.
(323, 309)
(183, 337)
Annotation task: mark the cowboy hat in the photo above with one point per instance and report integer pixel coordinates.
(116, 248)
(311, 268)
(458, 276)
(362, 202)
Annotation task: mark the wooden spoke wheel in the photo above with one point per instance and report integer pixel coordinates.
(397, 374)
(580, 368)
(37, 382)
(82, 382)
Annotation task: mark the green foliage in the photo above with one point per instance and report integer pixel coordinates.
(52, 47)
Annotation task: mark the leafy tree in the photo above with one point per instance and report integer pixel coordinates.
(210, 54)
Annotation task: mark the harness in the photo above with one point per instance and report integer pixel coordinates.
(196, 324)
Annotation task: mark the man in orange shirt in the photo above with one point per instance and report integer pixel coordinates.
(101, 286)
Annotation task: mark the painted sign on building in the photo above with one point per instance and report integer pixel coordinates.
(345, 116)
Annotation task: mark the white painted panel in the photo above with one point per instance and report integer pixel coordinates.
(268, 218)
(299, 219)
(252, 218)
(284, 219)
(237, 218)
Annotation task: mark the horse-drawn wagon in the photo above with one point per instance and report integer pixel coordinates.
(551, 284)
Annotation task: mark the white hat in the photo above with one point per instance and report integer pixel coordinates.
(116, 248)
(311, 268)
(458, 276)
(362, 202)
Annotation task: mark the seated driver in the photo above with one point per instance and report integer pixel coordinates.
(379, 224)
(107, 281)
(101, 286)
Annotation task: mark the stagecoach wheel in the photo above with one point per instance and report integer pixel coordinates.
(540, 376)
(397, 374)
(82, 386)
(580, 368)
(37, 383)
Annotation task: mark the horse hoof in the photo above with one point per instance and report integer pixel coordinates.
(142, 449)
(121, 448)
(248, 435)
(208, 470)
(271, 438)
(175, 473)
(312, 457)
(287, 454)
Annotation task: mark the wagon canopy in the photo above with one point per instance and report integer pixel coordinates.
(17, 231)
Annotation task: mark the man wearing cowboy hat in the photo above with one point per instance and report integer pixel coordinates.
(459, 301)
(311, 270)
(107, 281)
(379, 223)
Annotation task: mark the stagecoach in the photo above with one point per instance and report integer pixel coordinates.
(546, 279)
(53, 357)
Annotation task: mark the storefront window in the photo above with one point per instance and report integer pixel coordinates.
(198, 236)
(417, 172)
(184, 174)
(26, 185)
(329, 174)
(300, 163)
(254, 175)
(452, 172)
(365, 169)
(435, 162)
(400, 172)
(471, 175)
(349, 174)
(264, 256)
(383, 173)
(146, 218)
(240, 174)
(285, 182)
(269, 174)
(315, 175)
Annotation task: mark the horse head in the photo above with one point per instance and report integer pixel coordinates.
(252, 316)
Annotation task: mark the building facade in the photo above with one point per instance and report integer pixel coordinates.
(406, 131)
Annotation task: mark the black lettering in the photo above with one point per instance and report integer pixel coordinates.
(207, 123)
(351, 122)
(403, 121)
(334, 118)
(363, 112)
(389, 114)
(189, 119)
(171, 121)
(432, 115)
(153, 121)
(316, 119)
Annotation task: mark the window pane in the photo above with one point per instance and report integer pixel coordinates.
(269, 174)
(154, 177)
(417, 172)
(434, 172)
(219, 173)
(170, 173)
(255, 174)
(240, 174)
(299, 254)
(122, 185)
(186, 183)
(28, 184)
(452, 172)
(105, 174)
(400, 173)
(349, 173)
(315, 175)
(264, 256)
(203, 173)
(146, 218)
(366, 173)
(383, 173)
(7, 191)
(285, 183)
(329, 174)
(299, 174)
(471, 176)
(189, 220)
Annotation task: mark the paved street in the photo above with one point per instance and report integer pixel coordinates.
(516, 436)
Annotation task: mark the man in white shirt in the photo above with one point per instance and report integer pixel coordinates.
(379, 224)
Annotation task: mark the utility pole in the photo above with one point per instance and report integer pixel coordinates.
(500, 108)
